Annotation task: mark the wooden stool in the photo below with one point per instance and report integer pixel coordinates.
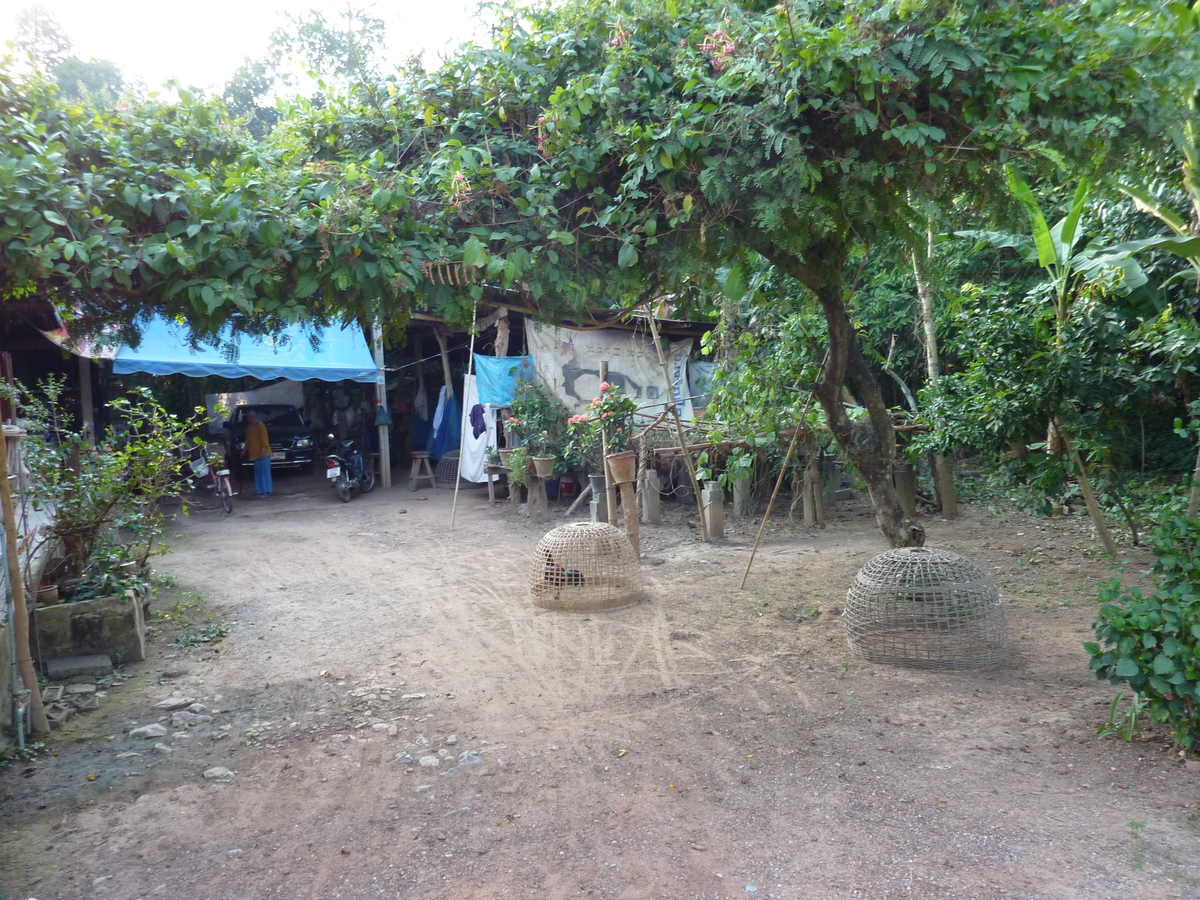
(421, 471)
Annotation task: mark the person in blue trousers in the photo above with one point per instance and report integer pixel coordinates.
(258, 451)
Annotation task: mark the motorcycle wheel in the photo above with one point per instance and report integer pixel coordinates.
(341, 487)
(368, 482)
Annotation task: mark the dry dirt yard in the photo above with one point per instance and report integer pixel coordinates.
(707, 743)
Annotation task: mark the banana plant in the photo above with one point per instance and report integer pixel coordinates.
(1070, 266)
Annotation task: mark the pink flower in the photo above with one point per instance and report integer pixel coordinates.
(604, 386)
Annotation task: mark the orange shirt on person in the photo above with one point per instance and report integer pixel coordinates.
(258, 445)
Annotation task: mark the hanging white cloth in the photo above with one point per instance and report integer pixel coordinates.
(474, 449)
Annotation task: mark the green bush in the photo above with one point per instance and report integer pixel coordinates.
(1152, 641)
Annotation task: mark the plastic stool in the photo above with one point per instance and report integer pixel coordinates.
(421, 471)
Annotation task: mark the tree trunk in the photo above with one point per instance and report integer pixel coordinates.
(869, 444)
(943, 473)
(1194, 499)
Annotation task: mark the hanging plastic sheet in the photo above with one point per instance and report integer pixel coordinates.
(496, 377)
(447, 427)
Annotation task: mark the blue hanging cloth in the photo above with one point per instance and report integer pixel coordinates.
(496, 377)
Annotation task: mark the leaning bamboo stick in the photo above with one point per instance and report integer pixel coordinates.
(687, 457)
(778, 481)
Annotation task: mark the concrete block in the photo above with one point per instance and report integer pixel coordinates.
(109, 625)
(713, 499)
(652, 499)
(58, 669)
(743, 496)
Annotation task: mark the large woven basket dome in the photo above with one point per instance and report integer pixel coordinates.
(585, 566)
(927, 608)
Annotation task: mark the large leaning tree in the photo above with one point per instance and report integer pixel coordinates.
(602, 150)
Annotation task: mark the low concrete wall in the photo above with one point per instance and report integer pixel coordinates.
(106, 626)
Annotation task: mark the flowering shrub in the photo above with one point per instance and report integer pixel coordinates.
(612, 411)
(538, 418)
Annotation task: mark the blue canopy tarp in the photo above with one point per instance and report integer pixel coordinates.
(340, 353)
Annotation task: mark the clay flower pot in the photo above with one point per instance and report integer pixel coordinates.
(623, 466)
(543, 466)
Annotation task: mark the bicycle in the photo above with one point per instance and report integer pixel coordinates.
(210, 474)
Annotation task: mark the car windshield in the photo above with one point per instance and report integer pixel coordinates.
(279, 416)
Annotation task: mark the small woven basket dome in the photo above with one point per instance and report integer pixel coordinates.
(926, 608)
(445, 473)
(585, 566)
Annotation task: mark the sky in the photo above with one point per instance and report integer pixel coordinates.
(202, 43)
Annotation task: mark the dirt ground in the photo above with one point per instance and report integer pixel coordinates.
(707, 743)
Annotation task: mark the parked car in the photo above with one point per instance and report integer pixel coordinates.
(292, 445)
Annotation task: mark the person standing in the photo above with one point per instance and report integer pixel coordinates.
(258, 451)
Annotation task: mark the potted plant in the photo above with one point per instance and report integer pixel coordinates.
(540, 453)
(611, 413)
(539, 422)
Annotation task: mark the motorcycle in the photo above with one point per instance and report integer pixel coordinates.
(348, 471)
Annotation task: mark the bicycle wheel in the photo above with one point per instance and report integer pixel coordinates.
(225, 492)
(341, 486)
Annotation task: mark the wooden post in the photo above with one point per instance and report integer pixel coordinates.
(539, 505)
(385, 436)
(37, 714)
(502, 333)
(631, 516)
(444, 347)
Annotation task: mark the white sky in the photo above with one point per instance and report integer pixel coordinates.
(202, 43)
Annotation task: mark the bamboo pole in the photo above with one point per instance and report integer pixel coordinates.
(462, 425)
(778, 481)
(610, 488)
(687, 458)
(37, 714)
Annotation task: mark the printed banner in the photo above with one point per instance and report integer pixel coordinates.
(569, 361)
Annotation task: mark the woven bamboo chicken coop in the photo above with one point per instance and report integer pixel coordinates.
(445, 474)
(585, 566)
(926, 608)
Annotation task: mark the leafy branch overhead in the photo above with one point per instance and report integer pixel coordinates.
(595, 152)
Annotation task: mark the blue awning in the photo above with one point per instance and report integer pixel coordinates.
(341, 353)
